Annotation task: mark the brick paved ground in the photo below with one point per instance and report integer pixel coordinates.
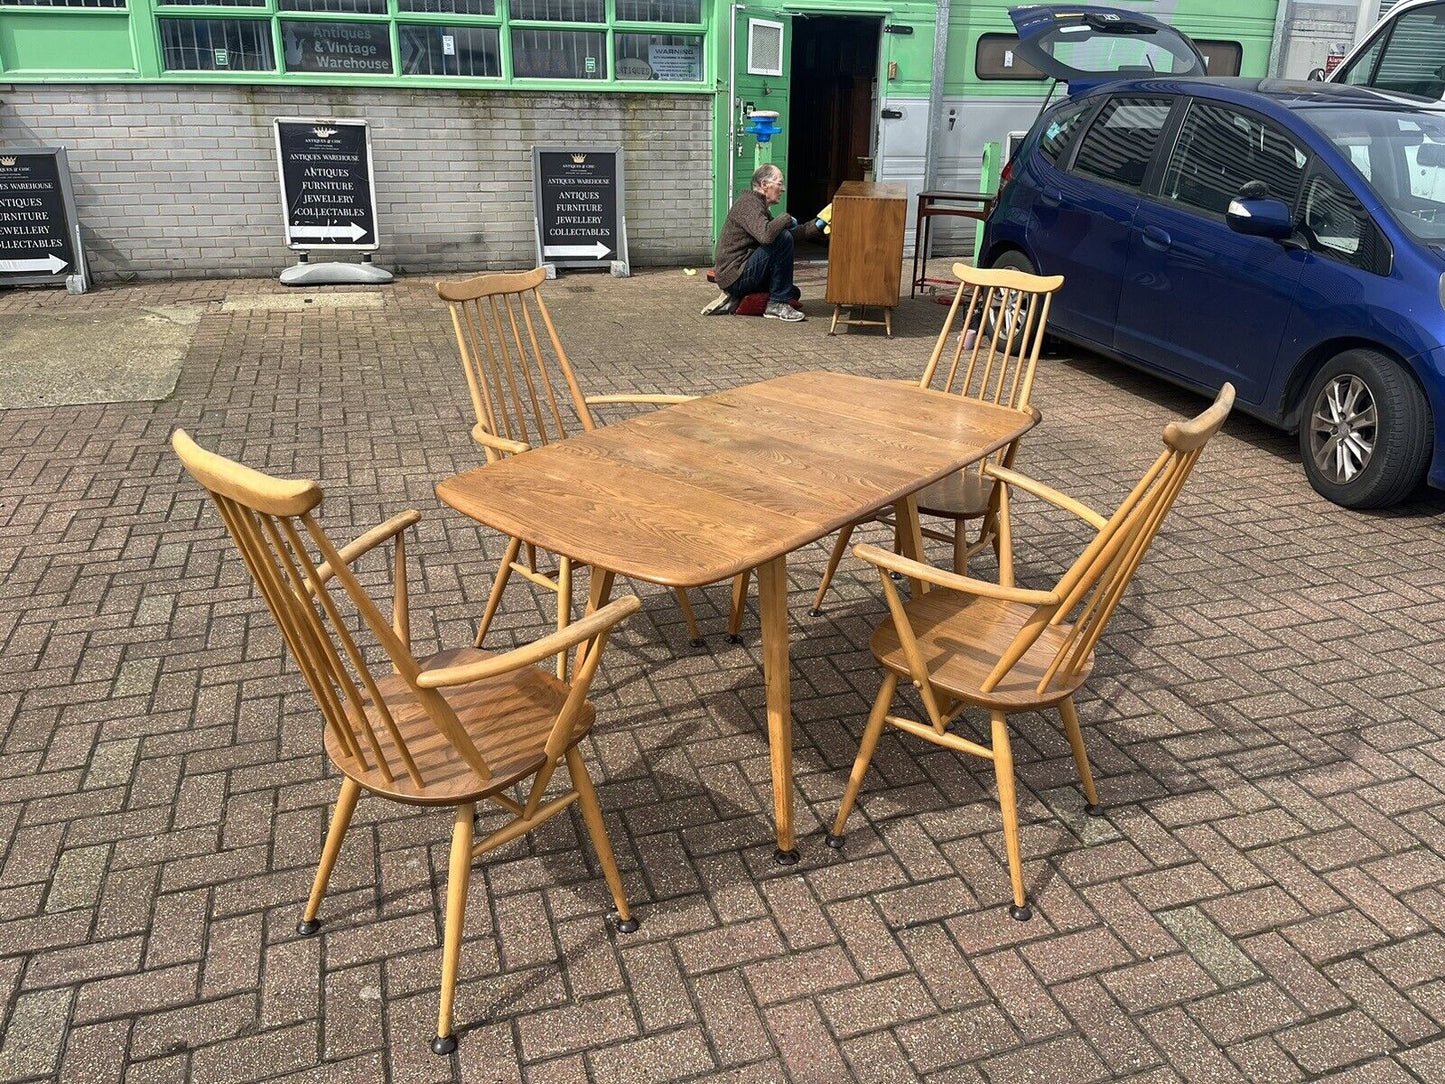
(1262, 902)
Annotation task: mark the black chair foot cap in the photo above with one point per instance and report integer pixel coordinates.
(836, 842)
(628, 925)
(816, 611)
(698, 641)
(734, 638)
(1021, 914)
(786, 858)
(895, 575)
(1093, 809)
(307, 926)
(443, 1045)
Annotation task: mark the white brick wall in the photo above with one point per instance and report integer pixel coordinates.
(180, 181)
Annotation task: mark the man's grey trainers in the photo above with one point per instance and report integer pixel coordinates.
(781, 310)
(722, 305)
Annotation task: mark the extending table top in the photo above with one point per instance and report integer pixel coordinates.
(698, 492)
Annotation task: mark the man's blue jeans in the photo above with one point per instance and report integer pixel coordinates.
(770, 267)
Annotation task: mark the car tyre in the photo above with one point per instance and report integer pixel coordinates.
(1013, 260)
(1365, 431)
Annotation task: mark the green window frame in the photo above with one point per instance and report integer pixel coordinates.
(629, 45)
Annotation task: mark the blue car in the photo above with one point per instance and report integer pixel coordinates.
(1288, 237)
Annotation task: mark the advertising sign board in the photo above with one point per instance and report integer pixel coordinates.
(327, 190)
(39, 234)
(578, 195)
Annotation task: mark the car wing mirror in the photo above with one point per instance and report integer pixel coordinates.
(1316, 75)
(1260, 216)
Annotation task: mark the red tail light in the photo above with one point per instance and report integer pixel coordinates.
(1007, 174)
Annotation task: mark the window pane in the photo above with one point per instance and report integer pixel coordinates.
(996, 59)
(669, 58)
(1358, 73)
(339, 7)
(63, 3)
(1221, 150)
(559, 54)
(207, 3)
(1221, 57)
(337, 48)
(660, 11)
(450, 7)
(224, 45)
(562, 11)
(450, 50)
(1119, 144)
(1336, 224)
(1414, 60)
(1060, 132)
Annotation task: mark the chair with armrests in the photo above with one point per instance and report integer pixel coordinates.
(452, 729)
(995, 350)
(967, 642)
(517, 370)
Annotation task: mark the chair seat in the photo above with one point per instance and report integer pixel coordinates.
(962, 637)
(962, 495)
(508, 718)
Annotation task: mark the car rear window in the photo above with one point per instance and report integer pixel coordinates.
(1118, 145)
(1060, 132)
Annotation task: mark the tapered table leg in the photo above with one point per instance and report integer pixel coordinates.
(773, 606)
(908, 535)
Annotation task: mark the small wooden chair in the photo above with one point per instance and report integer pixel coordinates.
(1007, 649)
(1002, 332)
(504, 333)
(451, 729)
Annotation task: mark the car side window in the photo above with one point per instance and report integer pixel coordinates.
(1412, 61)
(1118, 145)
(1220, 150)
(1060, 132)
(1336, 225)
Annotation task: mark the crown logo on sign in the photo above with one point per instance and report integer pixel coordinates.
(7, 161)
(579, 158)
(323, 133)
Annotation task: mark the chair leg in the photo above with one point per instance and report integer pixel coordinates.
(1003, 765)
(740, 599)
(597, 828)
(457, 878)
(504, 573)
(686, 607)
(839, 548)
(340, 822)
(960, 547)
(866, 748)
(1081, 756)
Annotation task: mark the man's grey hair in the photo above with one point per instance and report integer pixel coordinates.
(765, 174)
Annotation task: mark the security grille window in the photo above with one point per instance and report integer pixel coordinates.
(211, 3)
(336, 7)
(1221, 57)
(451, 50)
(1119, 144)
(659, 11)
(326, 48)
(449, 7)
(1414, 58)
(1061, 131)
(558, 54)
(765, 47)
(560, 11)
(1220, 150)
(668, 58)
(996, 58)
(217, 45)
(63, 3)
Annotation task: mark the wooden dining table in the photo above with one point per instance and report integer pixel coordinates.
(699, 492)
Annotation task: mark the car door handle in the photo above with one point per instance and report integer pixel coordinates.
(1049, 198)
(1154, 237)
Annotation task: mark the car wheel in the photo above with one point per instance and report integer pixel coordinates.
(1013, 260)
(1365, 432)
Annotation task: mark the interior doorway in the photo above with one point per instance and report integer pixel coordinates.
(834, 83)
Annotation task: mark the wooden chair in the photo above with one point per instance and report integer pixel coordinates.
(1002, 332)
(516, 371)
(451, 729)
(1001, 647)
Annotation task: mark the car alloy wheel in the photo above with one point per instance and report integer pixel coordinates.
(1343, 427)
